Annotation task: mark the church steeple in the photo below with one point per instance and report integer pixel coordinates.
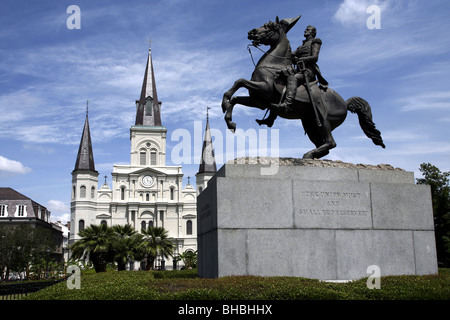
(147, 135)
(208, 160)
(148, 108)
(85, 157)
(207, 168)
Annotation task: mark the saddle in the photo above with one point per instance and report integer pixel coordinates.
(316, 92)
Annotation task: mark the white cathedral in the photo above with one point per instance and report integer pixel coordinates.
(146, 192)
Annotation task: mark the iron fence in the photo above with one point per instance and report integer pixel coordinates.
(17, 290)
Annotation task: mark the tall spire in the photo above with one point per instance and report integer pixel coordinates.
(148, 108)
(208, 161)
(85, 157)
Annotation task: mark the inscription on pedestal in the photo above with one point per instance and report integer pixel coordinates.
(331, 205)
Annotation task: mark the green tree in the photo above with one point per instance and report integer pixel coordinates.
(440, 192)
(97, 245)
(126, 245)
(6, 251)
(189, 259)
(23, 245)
(155, 241)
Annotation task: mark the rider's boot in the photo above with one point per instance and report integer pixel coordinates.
(291, 90)
(269, 120)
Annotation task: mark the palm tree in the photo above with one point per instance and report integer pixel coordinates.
(155, 241)
(126, 243)
(189, 258)
(97, 245)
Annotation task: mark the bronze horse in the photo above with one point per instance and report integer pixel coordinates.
(266, 89)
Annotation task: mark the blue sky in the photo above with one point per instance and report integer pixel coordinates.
(199, 48)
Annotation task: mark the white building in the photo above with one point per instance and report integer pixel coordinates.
(146, 192)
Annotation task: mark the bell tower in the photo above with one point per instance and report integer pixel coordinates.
(148, 136)
(84, 184)
(207, 166)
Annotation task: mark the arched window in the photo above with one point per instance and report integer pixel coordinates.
(81, 225)
(93, 192)
(153, 157)
(150, 224)
(189, 227)
(172, 193)
(142, 157)
(103, 223)
(82, 192)
(147, 197)
(122, 193)
(74, 192)
(143, 225)
(200, 189)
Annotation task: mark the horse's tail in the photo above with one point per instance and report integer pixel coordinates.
(362, 108)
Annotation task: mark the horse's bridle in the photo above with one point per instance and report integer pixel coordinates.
(269, 35)
(265, 52)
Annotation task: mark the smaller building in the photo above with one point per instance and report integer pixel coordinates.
(65, 229)
(17, 209)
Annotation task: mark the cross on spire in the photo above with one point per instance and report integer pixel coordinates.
(84, 153)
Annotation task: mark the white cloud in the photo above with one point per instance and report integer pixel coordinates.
(12, 166)
(426, 101)
(57, 205)
(19, 105)
(63, 217)
(39, 148)
(60, 211)
(353, 12)
(401, 135)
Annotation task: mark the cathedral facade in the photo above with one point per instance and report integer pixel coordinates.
(146, 192)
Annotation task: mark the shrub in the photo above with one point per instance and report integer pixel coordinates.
(184, 284)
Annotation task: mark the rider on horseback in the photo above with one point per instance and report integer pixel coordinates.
(308, 52)
(320, 110)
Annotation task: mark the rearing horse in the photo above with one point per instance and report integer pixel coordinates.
(266, 89)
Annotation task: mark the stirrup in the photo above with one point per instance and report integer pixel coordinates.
(266, 121)
(286, 107)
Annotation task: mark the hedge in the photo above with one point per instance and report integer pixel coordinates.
(185, 285)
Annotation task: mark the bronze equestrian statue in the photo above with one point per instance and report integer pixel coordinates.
(291, 86)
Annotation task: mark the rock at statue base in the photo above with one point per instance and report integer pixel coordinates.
(318, 219)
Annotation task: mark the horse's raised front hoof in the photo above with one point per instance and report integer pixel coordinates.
(231, 125)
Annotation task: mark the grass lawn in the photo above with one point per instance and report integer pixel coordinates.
(185, 285)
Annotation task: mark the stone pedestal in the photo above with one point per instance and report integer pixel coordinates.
(314, 218)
